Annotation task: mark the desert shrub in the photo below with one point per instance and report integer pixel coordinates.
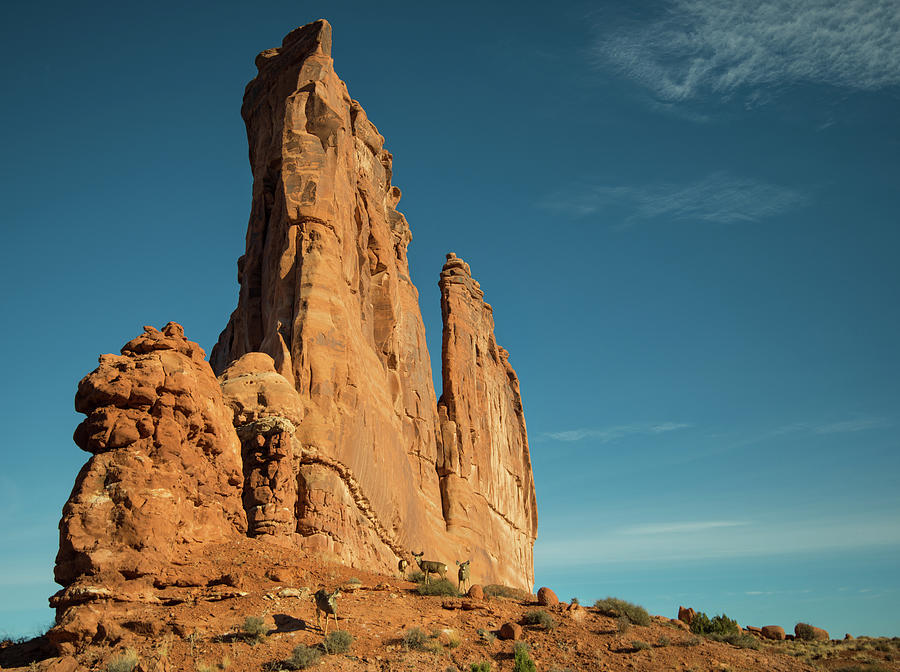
(702, 624)
(638, 645)
(205, 667)
(415, 638)
(863, 668)
(124, 662)
(253, 631)
(663, 641)
(496, 590)
(615, 607)
(338, 641)
(692, 641)
(486, 635)
(623, 625)
(483, 666)
(440, 587)
(540, 618)
(742, 640)
(303, 656)
(354, 580)
(416, 576)
(522, 661)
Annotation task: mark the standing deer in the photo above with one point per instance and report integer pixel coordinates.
(430, 566)
(402, 565)
(463, 574)
(326, 603)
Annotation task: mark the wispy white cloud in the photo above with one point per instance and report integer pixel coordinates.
(719, 198)
(681, 528)
(858, 425)
(743, 539)
(700, 47)
(607, 434)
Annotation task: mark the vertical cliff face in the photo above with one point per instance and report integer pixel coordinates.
(484, 464)
(325, 291)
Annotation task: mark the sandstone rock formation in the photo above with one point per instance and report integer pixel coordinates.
(323, 431)
(326, 293)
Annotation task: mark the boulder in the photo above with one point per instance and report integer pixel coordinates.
(510, 630)
(476, 592)
(772, 632)
(810, 633)
(546, 597)
(686, 615)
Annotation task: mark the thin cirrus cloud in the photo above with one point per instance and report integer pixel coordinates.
(700, 47)
(607, 434)
(719, 198)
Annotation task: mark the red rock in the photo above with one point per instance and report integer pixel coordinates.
(476, 592)
(772, 632)
(810, 632)
(546, 597)
(510, 630)
(686, 615)
(326, 311)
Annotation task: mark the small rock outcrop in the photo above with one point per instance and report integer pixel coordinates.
(772, 632)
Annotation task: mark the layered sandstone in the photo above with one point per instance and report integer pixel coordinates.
(165, 477)
(323, 432)
(484, 464)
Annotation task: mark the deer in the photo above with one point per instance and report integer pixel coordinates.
(326, 603)
(430, 566)
(402, 565)
(463, 574)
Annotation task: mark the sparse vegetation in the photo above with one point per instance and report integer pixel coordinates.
(415, 638)
(615, 607)
(483, 666)
(741, 640)
(663, 641)
(486, 635)
(522, 661)
(354, 580)
(441, 587)
(124, 662)
(692, 641)
(540, 618)
(254, 630)
(623, 625)
(303, 656)
(416, 576)
(496, 590)
(863, 668)
(338, 641)
(702, 624)
(638, 645)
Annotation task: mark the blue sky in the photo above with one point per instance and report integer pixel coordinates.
(684, 214)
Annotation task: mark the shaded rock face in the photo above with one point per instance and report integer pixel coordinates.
(323, 431)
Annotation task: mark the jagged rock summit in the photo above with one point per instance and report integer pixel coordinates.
(322, 432)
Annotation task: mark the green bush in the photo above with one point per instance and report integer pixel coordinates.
(483, 666)
(663, 641)
(338, 641)
(415, 638)
(303, 656)
(439, 587)
(623, 625)
(615, 607)
(522, 661)
(486, 635)
(638, 645)
(702, 624)
(125, 662)
(416, 576)
(254, 630)
(540, 618)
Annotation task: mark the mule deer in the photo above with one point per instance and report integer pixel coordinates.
(430, 566)
(402, 565)
(326, 603)
(463, 574)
